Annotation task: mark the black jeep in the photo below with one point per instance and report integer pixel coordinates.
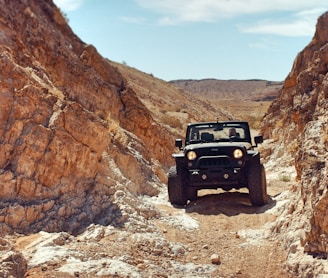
(217, 155)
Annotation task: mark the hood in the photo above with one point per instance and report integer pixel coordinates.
(245, 145)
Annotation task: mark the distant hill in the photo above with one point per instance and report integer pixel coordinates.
(253, 89)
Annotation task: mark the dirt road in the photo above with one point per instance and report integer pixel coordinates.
(219, 235)
(234, 230)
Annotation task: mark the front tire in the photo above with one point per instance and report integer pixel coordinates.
(192, 194)
(257, 185)
(176, 188)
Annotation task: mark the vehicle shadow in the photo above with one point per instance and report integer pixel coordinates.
(228, 203)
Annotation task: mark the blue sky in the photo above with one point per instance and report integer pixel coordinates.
(197, 39)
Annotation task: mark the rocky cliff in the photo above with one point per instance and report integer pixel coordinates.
(72, 132)
(297, 122)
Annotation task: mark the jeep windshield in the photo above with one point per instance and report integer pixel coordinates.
(218, 132)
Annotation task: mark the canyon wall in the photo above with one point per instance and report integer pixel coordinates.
(297, 122)
(72, 132)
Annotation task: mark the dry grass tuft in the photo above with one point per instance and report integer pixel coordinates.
(173, 122)
(118, 134)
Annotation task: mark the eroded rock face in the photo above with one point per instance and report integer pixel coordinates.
(12, 262)
(71, 131)
(298, 120)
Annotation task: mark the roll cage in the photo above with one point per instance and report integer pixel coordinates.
(218, 132)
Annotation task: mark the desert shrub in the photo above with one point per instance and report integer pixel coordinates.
(64, 15)
(254, 121)
(285, 178)
(171, 121)
(117, 132)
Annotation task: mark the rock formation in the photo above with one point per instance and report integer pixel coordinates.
(77, 145)
(66, 123)
(12, 262)
(297, 120)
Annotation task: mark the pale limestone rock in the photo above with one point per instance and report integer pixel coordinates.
(12, 263)
(215, 259)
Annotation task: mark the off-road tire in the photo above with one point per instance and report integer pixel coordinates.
(176, 188)
(192, 194)
(257, 185)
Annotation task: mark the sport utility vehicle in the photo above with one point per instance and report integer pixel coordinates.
(217, 155)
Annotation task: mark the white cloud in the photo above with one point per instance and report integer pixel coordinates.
(184, 11)
(301, 24)
(205, 10)
(68, 5)
(290, 29)
(134, 20)
(265, 45)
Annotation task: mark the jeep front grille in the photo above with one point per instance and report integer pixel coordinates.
(213, 162)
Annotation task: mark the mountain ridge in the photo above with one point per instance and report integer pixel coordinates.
(251, 89)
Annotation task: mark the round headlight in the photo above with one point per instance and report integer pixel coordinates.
(191, 155)
(238, 153)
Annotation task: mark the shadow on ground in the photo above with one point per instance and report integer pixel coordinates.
(228, 203)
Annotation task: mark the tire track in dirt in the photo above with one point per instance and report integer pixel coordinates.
(232, 228)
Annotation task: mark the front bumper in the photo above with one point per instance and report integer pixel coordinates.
(219, 171)
(214, 177)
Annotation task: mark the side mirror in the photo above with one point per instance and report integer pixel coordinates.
(178, 143)
(258, 139)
